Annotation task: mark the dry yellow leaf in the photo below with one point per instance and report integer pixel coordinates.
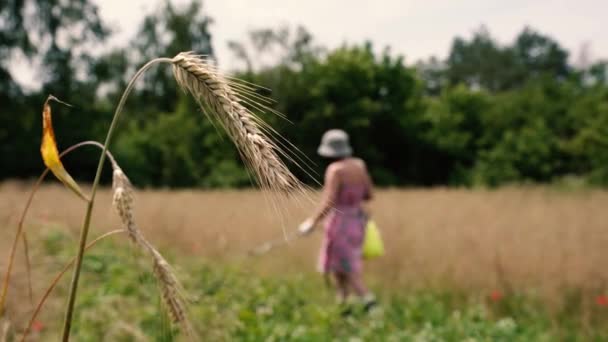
(50, 154)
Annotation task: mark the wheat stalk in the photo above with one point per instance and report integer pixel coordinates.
(84, 232)
(225, 99)
(170, 292)
(123, 203)
(214, 92)
(5, 329)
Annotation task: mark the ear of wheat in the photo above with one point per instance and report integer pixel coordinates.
(222, 102)
(170, 289)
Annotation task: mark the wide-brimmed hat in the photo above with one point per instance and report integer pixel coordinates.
(334, 144)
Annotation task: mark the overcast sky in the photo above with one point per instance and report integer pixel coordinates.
(414, 28)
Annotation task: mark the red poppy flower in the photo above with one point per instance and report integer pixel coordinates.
(601, 300)
(496, 296)
(37, 326)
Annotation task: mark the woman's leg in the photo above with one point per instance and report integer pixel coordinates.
(355, 281)
(342, 284)
(367, 297)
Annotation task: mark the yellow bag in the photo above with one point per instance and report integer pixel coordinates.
(372, 243)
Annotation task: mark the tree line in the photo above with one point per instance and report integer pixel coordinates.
(487, 114)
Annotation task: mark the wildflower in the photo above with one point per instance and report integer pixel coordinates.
(601, 300)
(496, 296)
(37, 326)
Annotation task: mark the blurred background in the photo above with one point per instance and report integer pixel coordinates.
(461, 94)
(448, 99)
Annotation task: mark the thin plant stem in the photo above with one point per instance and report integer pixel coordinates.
(11, 257)
(58, 277)
(28, 267)
(67, 324)
(21, 233)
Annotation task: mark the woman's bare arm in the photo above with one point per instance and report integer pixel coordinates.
(369, 184)
(330, 191)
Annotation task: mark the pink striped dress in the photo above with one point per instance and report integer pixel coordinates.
(344, 231)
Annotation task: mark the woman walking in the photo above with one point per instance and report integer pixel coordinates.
(347, 185)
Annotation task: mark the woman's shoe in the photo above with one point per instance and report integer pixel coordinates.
(369, 302)
(346, 311)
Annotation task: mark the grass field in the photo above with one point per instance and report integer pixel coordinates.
(512, 264)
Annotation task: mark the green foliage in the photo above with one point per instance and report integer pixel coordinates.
(488, 114)
(119, 301)
(482, 63)
(456, 128)
(522, 136)
(377, 99)
(589, 143)
(182, 149)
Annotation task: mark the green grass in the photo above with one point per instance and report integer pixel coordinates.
(118, 301)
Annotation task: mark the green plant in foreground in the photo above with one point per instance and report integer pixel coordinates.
(224, 101)
(236, 304)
